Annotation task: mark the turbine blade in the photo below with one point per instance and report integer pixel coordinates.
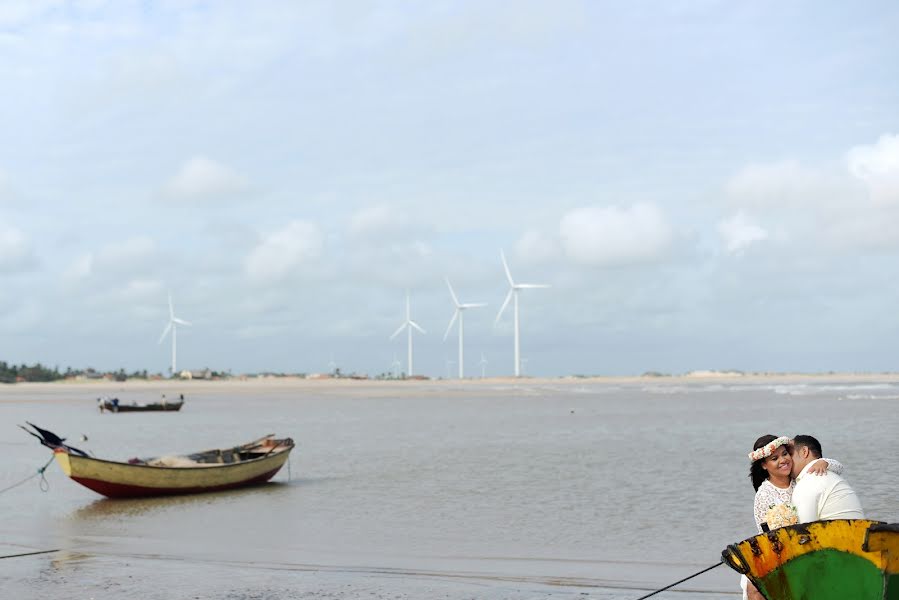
(181, 321)
(452, 293)
(506, 267)
(398, 331)
(165, 332)
(503, 307)
(450, 326)
(532, 286)
(416, 326)
(473, 305)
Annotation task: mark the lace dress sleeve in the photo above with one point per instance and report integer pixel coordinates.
(834, 466)
(764, 498)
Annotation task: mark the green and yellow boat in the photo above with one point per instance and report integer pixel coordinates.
(824, 560)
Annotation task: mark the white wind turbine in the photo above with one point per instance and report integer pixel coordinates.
(460, 310)
(408, 325)
(172, 326)
(483, 365)
(514, 288)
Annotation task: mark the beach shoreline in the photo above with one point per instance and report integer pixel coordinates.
(324, 384)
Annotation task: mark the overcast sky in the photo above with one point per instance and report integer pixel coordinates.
(704, 184)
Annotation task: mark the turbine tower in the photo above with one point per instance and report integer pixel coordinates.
(459, 313)
(514, 288)
(408, 325)
(172, 326)
(483, 366)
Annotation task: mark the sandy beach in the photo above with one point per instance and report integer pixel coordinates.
(376, 388)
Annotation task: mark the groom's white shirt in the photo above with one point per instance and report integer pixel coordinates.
(825, 497)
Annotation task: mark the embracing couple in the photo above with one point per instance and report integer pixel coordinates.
(794, 484)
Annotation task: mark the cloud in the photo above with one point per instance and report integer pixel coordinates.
(282, 251)
(777, 184)
(878, 167)
(739, 232)
(613, 236)
(202, 178)
(378, 222)
(80, 269)
(16, 253)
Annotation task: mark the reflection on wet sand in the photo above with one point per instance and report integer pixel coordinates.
(104, 508)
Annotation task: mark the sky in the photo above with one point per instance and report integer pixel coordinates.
(703, 184)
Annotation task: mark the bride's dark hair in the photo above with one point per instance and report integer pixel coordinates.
(756, 472)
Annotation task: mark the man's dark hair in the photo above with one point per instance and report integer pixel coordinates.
(813, 445)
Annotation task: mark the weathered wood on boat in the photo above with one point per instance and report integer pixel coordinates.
(824, 560)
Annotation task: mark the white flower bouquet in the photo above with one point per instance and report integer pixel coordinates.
(781, 515)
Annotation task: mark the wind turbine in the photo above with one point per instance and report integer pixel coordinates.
(514, 288)
(408, 325)
(395, 366)
(460, 310)
(483, 365)
(172, 326)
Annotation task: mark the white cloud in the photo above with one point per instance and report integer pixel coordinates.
(377, 221)
(201, 178)
(80, 269)
(739, 232)
(878, 167)
(778, 184)
(282, 251)
(610, 236)
(16, 253)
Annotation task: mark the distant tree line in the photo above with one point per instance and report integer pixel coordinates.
(38, 372)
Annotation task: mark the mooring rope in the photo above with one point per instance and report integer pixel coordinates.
(717, 564)
(45, 485)
(29, 553)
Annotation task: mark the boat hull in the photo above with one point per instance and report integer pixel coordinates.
(824, 560)
(124, 480)
(157, 407)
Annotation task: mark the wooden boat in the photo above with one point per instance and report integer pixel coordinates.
(205, 471)
(824, 560)
(114, 405)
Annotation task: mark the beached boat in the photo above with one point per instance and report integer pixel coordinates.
(824, 560)
(205, 471)
(115, 405)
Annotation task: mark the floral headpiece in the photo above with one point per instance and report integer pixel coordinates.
(768, 449)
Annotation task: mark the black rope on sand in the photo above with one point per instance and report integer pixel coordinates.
(717, 564)
(29, 553)
(45, 485)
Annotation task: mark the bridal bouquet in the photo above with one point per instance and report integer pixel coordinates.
(781, 515)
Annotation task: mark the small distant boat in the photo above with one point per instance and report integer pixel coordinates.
(205, 471)
(115, 405)
(824, 560)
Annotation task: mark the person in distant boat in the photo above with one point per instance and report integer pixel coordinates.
(771, 473)
(820, 498)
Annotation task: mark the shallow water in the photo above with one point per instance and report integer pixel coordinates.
(433, 491)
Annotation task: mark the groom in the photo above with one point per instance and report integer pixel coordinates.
(822, 498)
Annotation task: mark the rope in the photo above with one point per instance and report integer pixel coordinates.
(717, 564)
(45, 485)
(29, 553)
